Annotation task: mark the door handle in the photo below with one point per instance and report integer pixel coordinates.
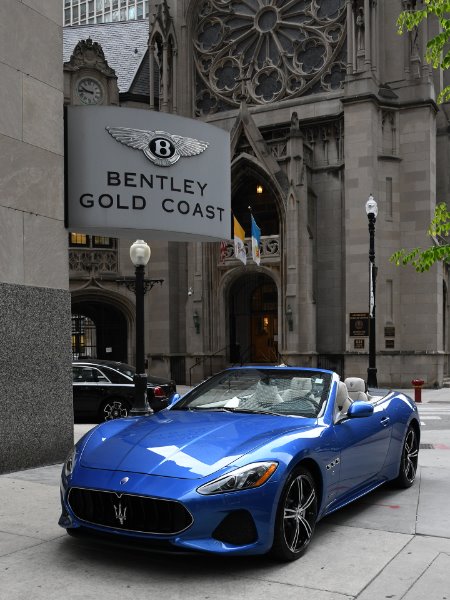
(385, 421)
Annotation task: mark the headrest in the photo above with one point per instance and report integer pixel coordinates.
(301, 384)
(341, 395)
(355, 384)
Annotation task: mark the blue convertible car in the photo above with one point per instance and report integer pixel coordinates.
(245, 463)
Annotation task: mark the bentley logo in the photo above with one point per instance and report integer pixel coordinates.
(121, 513)
(162, 148)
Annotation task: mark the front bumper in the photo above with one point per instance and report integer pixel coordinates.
(233, 523)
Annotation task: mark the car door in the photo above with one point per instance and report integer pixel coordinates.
(87, 394)
(364, 444)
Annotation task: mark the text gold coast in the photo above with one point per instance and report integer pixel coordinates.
(182, 195)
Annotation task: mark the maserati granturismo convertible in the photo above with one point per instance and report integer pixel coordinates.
(245, 463)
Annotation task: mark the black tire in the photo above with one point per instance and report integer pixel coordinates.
(296, 516)
(409, 459)
(114, 408)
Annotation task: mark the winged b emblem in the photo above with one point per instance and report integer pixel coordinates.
(162, 148)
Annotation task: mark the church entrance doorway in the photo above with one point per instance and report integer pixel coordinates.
(99, 330)
(253, 305)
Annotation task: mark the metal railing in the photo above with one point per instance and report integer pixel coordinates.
(269, 249)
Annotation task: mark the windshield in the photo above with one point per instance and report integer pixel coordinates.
(279, 391)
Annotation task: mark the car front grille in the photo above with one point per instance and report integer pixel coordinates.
(129, 512)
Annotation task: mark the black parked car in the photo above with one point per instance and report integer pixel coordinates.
(104, 389)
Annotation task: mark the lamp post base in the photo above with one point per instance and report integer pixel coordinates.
(141, 406)
(372, 377)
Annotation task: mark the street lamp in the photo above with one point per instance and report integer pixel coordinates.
(140, 255)
(372, 212)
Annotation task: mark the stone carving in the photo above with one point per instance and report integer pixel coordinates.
(88, 53)
(360, 29)
(267, 52)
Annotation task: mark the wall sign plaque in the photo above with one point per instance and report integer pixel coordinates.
(359, 324)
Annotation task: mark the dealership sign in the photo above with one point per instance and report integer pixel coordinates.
(137, 172)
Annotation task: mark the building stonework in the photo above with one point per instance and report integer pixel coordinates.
(325, 104)
(36, 397)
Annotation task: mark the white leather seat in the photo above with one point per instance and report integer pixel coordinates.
(356, 388)
(342, 401)
(300, 387)
(303, 385)
(266, 394)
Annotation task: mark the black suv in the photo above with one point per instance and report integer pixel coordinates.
(104, 389)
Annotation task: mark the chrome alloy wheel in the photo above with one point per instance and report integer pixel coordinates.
(299, 513)
(115, 409)
(410, 456)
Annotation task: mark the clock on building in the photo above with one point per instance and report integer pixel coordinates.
(90, 91)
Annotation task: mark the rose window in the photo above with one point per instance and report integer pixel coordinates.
(267, 50)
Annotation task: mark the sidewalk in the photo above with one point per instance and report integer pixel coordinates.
(390, 544)
(430, 395)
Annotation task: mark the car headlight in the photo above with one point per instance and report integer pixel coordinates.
(244, 478)
(69, 463)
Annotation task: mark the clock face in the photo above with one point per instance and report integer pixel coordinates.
(90, 91)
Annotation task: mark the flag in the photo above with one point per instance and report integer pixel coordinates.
(256, 237)
(223, 251)
(239, 246)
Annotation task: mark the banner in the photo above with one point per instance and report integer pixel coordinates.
(239, 246)
(256, 238)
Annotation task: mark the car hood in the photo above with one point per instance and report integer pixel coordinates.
(182, 444)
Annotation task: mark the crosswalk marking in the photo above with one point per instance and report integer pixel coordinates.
(432, 413)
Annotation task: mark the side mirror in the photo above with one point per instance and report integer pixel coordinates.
(359, 409)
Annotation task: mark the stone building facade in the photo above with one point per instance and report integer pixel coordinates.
(36, 426)
(325, 104)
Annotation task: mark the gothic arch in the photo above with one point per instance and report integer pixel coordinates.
(114, 314)
(245, 166)
(225, 286)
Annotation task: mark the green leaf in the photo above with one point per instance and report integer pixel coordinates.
(423, 260)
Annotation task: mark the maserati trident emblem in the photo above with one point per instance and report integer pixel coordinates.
(161, 148)
(121, 513)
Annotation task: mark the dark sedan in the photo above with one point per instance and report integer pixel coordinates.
(104, 390)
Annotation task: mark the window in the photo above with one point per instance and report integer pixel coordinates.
(81, 240)
(102, 242)
(78, 240)
(87, 375)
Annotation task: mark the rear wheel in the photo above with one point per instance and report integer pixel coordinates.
(296, 516)
(114, 408)
(408, 462)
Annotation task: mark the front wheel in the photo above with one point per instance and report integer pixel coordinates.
(409, 459)
(115, 408)
(296, 516)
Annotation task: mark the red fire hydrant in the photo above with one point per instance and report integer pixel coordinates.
(417, 385)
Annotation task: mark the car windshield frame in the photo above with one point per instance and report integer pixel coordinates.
(282, 391)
